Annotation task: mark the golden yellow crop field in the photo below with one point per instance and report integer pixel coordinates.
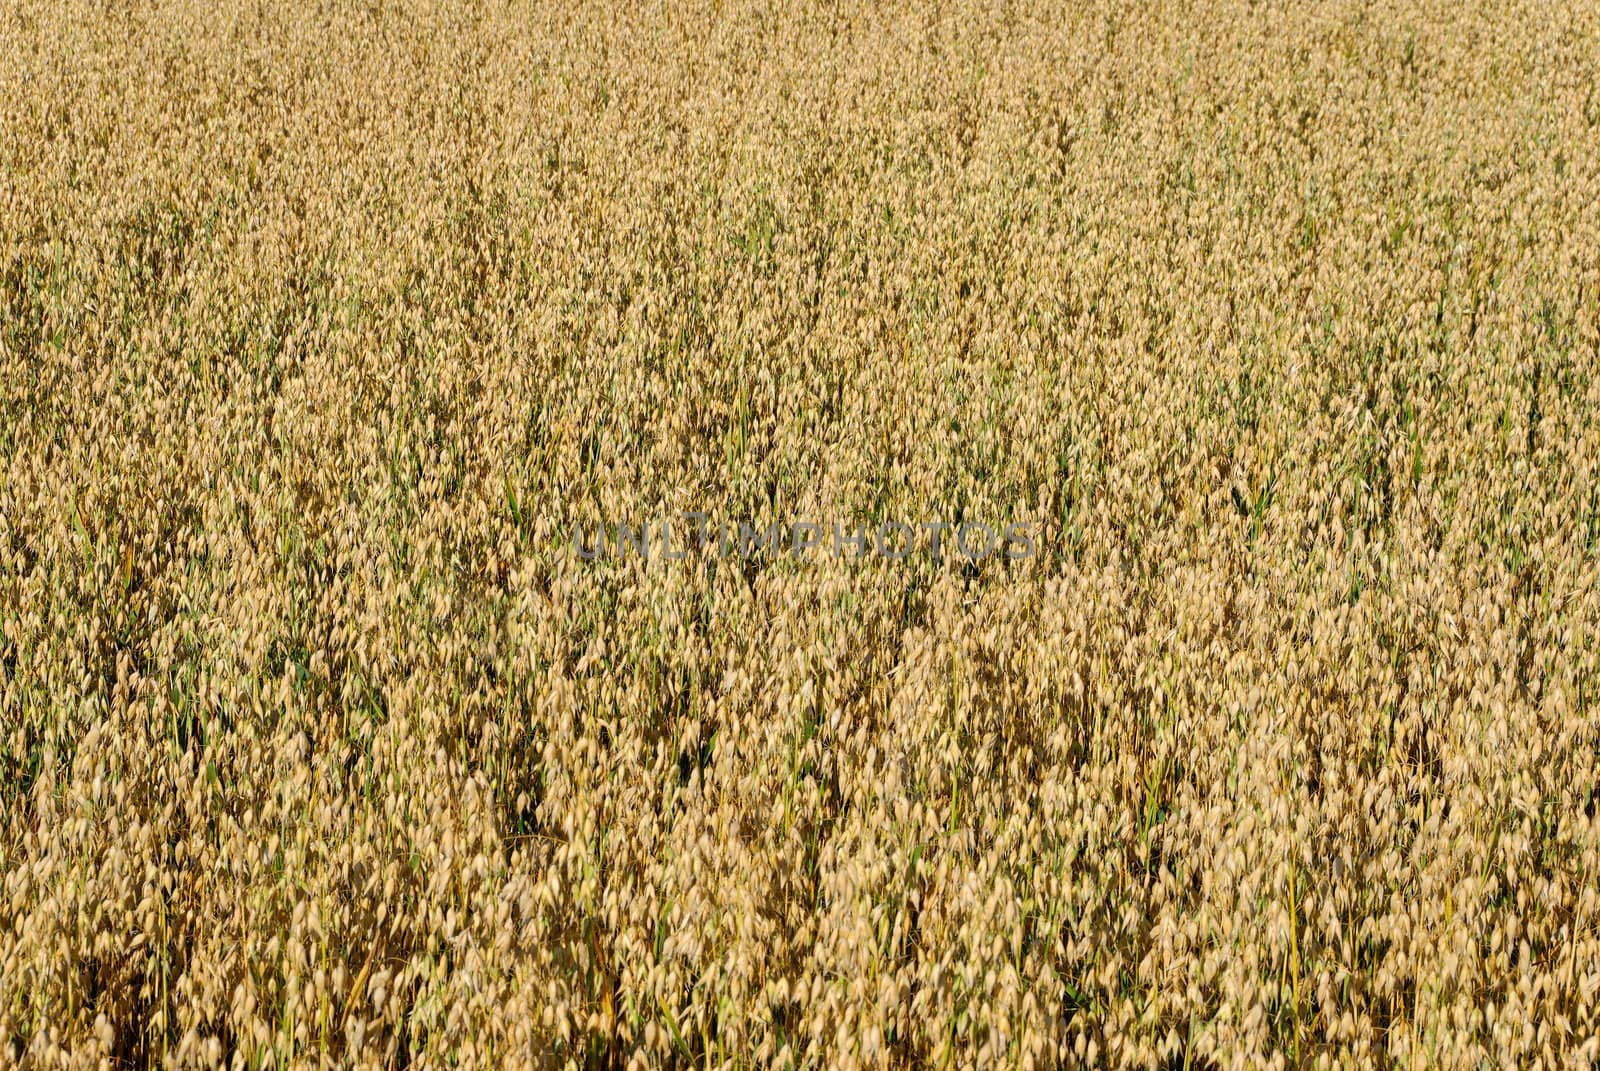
(799, 534)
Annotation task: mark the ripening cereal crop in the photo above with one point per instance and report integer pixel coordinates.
(472, 482)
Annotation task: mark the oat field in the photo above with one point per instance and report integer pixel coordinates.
(331, 329)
